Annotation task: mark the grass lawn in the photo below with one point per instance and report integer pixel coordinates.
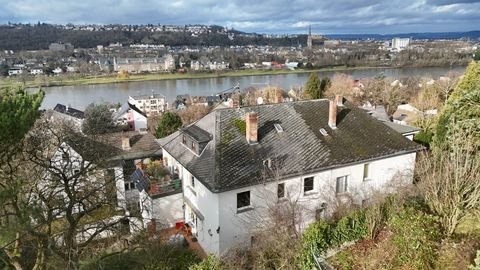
(86, 80)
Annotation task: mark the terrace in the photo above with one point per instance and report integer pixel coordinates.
(156, 179)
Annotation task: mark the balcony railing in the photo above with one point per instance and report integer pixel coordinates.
(165, 187)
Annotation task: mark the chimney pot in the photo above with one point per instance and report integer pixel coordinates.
(251, 121)
(125, 143)
(332, 114)
(339, 100)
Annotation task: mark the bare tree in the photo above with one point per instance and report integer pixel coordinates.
(448, 179)
(66, 194)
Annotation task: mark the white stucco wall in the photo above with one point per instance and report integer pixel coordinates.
(236, 228)
(140, 121)
(168, 210)
(206, 202)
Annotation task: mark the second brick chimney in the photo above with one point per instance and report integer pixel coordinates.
(251, 121)
(332, 114)
(125, 143)
(339, 100)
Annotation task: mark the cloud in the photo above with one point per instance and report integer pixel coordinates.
(274, 16)
(452, 2)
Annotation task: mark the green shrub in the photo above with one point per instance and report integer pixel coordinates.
(416, 235)
(322, 235)
(210, 263)
(153, 256)
(424, 137)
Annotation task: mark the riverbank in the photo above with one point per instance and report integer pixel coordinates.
(63, 80)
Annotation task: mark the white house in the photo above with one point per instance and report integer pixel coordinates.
(36, 71)
(237, 164)
(131, 116)
(150, 104)
(15, 71)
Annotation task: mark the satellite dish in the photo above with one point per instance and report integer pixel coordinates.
(259, 100)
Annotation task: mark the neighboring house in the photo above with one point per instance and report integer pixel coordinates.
(237, 164)
(69, 164)
(407, 131)
(205, 100)
(407, 114)
(146, 64)
(65, 112)
(376, 111)
(131, 116)
(150, 104)
(57, 71)
(36, 71)
(15, 71)
(132, 149)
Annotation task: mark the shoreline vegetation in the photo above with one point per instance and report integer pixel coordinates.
(72, 80)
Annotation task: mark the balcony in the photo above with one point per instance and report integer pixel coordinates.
(162, 182)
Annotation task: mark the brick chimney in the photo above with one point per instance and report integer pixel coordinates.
(332, 114)
(251, 120)
(125, 142)
(339, 100)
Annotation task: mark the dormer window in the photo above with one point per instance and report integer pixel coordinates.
(195, 139)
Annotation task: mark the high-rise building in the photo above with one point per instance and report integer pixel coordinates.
(400, 43)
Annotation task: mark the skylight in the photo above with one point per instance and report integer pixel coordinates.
(324, 132)
(278, 127)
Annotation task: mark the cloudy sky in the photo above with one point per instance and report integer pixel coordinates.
(261, 16)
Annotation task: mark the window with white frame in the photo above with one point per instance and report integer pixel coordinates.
(308, 184)
(366, 171)
(129, 185)
(342, 184)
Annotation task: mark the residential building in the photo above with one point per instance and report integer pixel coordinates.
(36, 71)
(57, 71)
(131, 148)
(67, 110)
(61, 113)
(407, 114)
(407, 131)
(150, 104)
(237, 164)
(136, 65)
(132, 117)
(400, 43)
(60, 46)
(15, 71)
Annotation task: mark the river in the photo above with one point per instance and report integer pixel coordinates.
(80, 96)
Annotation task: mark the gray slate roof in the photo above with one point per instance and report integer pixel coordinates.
(229, 162)
(197, 133)
(402, 129)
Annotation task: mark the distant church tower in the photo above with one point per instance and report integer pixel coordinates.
(309, 39)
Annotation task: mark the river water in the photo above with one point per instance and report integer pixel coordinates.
(81, 95)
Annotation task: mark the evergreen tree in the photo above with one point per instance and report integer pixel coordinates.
(312, 88)
(98, 119)
(168, 124)
(18, 112)
(462, 111)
